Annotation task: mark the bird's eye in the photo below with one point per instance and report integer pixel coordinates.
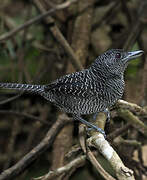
(118, 55)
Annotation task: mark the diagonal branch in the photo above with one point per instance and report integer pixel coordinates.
(35, 20)
(90, 155)
(77, 162)
(121, 171)
(29, 116)
(21, 165)
(59, 37)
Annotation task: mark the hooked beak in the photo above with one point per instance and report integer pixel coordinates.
(134, 54)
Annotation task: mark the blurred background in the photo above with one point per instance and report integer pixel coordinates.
(48, 49)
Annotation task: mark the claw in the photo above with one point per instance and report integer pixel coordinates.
(99, 130)
(95, 116)
(92, 126)
(107, 114)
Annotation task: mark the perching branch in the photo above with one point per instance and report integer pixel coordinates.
(121, 171)
(98, 141)
(90, 155)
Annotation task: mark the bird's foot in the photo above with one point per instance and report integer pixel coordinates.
(107, 114)
(106, 111)
(92, 126)
(95, 116)
(97, 129)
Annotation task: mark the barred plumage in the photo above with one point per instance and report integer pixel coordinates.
(88, 91)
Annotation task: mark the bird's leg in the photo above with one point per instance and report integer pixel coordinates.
(79, 118)
(106, 111)
(95, 116)
(107, 114)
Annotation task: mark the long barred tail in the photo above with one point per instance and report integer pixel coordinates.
(37, 89)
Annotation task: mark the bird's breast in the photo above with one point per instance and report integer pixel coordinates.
(114, 90)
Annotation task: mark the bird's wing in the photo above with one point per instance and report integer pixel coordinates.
(71, 86)
(78, 89)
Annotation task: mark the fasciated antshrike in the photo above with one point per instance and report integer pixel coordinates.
(89, 91)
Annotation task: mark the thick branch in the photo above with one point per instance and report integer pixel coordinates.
(132, 107)
(90, 155)
(122, 172)
(134, 120)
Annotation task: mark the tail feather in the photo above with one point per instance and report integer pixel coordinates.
(38, 89)
(35, 89)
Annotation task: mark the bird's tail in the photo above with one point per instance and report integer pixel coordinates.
(37, 89)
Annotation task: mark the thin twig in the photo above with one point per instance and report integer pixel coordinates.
(77, 162)
(59, 37)
(137, 26)
(118, 132)
(20, 114)
(16, 127)
(10, 99)
(35, 20)
(126, 10)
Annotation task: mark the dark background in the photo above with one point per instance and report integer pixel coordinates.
(37, 55)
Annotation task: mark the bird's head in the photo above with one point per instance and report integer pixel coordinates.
(115, 61)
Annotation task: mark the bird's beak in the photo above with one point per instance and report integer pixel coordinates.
(134, 54)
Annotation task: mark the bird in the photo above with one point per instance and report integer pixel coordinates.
(89, 91)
